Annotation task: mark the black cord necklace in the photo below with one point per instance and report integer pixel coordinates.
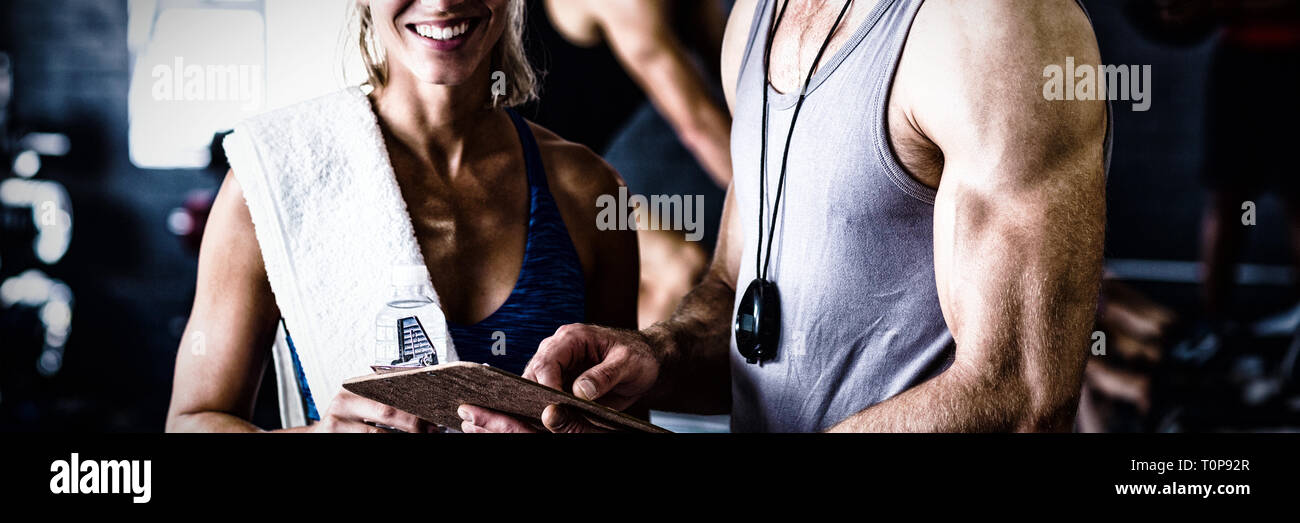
(758, 319)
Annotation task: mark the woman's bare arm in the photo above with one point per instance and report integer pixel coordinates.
(224, 350)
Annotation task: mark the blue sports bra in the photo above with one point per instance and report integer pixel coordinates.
(549, 293)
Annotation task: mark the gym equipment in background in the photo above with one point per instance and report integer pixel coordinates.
(35, 232)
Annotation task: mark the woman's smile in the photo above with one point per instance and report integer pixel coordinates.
(444, 35)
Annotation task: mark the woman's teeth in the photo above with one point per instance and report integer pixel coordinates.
(442, 33)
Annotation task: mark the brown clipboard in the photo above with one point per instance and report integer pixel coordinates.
(433, 394)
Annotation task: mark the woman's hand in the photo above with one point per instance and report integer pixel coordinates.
(555, 418)
(352, 413)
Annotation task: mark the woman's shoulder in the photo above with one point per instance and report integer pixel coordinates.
(574, 172)
(578, 178)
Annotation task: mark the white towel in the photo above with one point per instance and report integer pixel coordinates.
(331, 223)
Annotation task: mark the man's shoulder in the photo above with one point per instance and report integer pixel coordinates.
(1002, 29)
(973, 70)
(1004, 12)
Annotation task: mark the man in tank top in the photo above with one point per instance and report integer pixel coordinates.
(931, 240)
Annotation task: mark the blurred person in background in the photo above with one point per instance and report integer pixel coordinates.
(500, 210)
(1252, 98)
(1251, 106)
(679, 143)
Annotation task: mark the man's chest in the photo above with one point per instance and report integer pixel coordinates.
(794, 50)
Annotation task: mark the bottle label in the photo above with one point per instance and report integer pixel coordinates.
(414, 345)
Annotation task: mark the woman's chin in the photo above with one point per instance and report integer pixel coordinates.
(443, 75)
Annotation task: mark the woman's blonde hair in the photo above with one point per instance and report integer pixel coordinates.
(507, 55)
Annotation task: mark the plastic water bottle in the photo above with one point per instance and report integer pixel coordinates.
(411, 330)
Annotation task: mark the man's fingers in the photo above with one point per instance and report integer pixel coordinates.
(548, 374)
(600, 379)
(562, 420)
(555, 354)
(490, 421)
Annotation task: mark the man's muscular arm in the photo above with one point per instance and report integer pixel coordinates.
(1019, 216)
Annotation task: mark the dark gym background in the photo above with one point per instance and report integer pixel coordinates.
(133, 279)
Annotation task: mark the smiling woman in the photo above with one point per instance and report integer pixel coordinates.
(507, 55)
(450, 34)
(426, 168)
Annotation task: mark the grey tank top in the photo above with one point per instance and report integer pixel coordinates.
(853, 256)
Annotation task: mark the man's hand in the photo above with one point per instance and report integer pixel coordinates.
(613, 367)
(678, 365)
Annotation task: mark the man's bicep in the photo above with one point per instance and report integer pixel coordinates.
(1020, 212)
(1023, 176)
(1018, 273)
(1006, 253)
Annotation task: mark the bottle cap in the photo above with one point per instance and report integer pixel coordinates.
(410, 275)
